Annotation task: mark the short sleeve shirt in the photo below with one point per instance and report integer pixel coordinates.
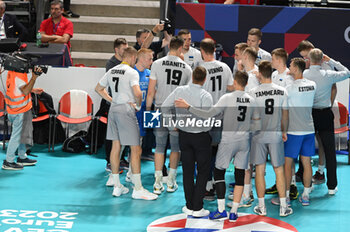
(121, 79)
(65, 26)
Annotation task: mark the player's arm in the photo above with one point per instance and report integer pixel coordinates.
(101, 90)
(167, 107)
(229, 74)
(255, 122)
(137, 94)
(333, 93)
(285, 122)
(202, 113)
(150, 93)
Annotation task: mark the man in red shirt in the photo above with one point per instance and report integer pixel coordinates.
(56, 29)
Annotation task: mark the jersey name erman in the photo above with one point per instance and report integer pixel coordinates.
(173, 63)
(269, 93)
(306, 88)
(118, 71)
(215, 70)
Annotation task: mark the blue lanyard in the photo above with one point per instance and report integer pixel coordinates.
(55, 26)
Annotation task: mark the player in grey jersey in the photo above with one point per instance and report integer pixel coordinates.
(301, 132)
(122, 127)
(271, 100)
(239, 118)
(254, 41)
(239, 49)
(167, 74)
(219, 80)
(192, 56)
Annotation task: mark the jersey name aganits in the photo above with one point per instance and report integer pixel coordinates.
(173, 63)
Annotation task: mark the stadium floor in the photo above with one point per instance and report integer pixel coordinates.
(67, 192)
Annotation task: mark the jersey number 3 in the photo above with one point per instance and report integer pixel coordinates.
(242, 111)
(173, 78)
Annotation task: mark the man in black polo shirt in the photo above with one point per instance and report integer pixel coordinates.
(144, 38)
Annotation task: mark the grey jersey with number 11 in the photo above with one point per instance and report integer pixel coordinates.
(219, 76)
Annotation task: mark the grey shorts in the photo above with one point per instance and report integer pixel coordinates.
(237, 150)
(161, 135)
(259, 152)
(215, 133)
(122, 125)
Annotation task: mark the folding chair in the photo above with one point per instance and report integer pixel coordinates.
(341, 125)
(44, 114)
(3, 114)
(75, 107)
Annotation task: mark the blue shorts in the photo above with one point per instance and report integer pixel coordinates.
(139, 116)
(299, 145)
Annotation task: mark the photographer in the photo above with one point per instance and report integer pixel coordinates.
(144, 38)
(19, 105)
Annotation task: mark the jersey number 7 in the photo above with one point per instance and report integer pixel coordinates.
(116, 80)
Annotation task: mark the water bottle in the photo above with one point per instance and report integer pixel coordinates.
(38, 39)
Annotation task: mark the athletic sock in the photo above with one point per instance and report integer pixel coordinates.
(234, 207)
(246, 190)
(287, 193)
(221, 205)
(136, 180)
(261, 202)
(283, 202)
(294, 182)
(116, 180)
(306, 192)
(172, 174)
(158, 176)
(320, 169)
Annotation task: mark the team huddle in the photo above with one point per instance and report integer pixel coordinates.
(261, 113)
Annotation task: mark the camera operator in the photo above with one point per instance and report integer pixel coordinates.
(144, 38)
(19, 104)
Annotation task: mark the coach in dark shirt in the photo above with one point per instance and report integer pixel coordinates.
(144, 38)
(10, 27)
(119, 46)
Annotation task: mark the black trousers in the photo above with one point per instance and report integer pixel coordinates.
(324, 127)
(195, 148)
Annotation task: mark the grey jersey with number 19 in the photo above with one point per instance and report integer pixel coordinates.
(169, 72)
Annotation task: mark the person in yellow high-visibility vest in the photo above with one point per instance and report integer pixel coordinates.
(18, 106)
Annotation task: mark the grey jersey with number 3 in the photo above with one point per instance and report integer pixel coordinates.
(169, 72)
